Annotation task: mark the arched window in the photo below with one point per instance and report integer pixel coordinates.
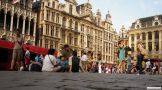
(1, 18)
(57, 18)
(8, 21)
(70, 23)
(76, 26)
(137, 26)
(143, 36)
(70, 39)
(157, 46)
(26, 25)
(15, 22)
(70, 9)
(150, 46)
(21, 22)
(150, 35)
(156, 23)
(31, 27)
(53, 5)
(156, 34)
(64, 22)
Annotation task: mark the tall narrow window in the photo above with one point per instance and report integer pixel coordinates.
(150, 46)
(70, 23)
(63, 36)
(57, 18)
(57, 32)
(64, 22)
(49, 4)
(47, 29)
(157, 46)
(150, 35)
(138, 36)
(70, 9)
(53, 5)
(53, 16)
(48, 15)
(156, 35)
(76, 26)
(143, 36)
(82, 27)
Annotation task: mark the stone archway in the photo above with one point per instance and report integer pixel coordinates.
(21, 23)
(8, 21)
(15, 22)
(32, 27)
(26, 25)
(2, 12)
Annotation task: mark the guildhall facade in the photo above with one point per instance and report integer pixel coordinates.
(77, 26)
(149, 30)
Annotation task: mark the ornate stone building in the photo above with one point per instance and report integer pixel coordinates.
(123, 35)
(77, 26)
(19, 15)
(149, 30)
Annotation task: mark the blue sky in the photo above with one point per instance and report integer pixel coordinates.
(124, 12)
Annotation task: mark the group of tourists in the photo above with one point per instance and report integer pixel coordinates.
(69, 61)
(127, 64)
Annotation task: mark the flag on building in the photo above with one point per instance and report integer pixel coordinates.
(15, 1)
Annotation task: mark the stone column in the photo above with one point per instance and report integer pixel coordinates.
(130, 41)
(4, 27)
(34, 28)
(23, 29)
(34, 33)
(66, 37)
(135, 42)
(146, 41)
(153, 41)
(11, 24)
(160, 44)
(18, 21)
(29, 27)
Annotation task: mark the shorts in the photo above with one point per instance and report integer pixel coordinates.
(16, 56)
(84, 62)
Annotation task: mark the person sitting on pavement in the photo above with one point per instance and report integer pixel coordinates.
(36, 65)
(75, 63)
(63, 63)
(50, 62)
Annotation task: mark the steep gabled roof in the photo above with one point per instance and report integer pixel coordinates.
(72, 1)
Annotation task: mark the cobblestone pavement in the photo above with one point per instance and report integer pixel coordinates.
(10, 80)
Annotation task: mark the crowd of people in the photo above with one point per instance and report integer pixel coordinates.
(69, 61)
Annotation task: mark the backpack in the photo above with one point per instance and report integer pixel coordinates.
(75, 64)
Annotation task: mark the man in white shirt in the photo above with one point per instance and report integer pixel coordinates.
(84, 61)
(148, 63)
(49, 62)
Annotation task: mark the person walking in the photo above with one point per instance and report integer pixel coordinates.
(17, 55)
(75, 63)
(129, 65)
(139, 61)
(84, 61)
(121, 57)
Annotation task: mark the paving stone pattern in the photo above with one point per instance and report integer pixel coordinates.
(10, 80)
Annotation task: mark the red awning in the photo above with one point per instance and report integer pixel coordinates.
(6, 44)
(35, 49)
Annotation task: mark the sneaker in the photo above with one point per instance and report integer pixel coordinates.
(21, 68)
